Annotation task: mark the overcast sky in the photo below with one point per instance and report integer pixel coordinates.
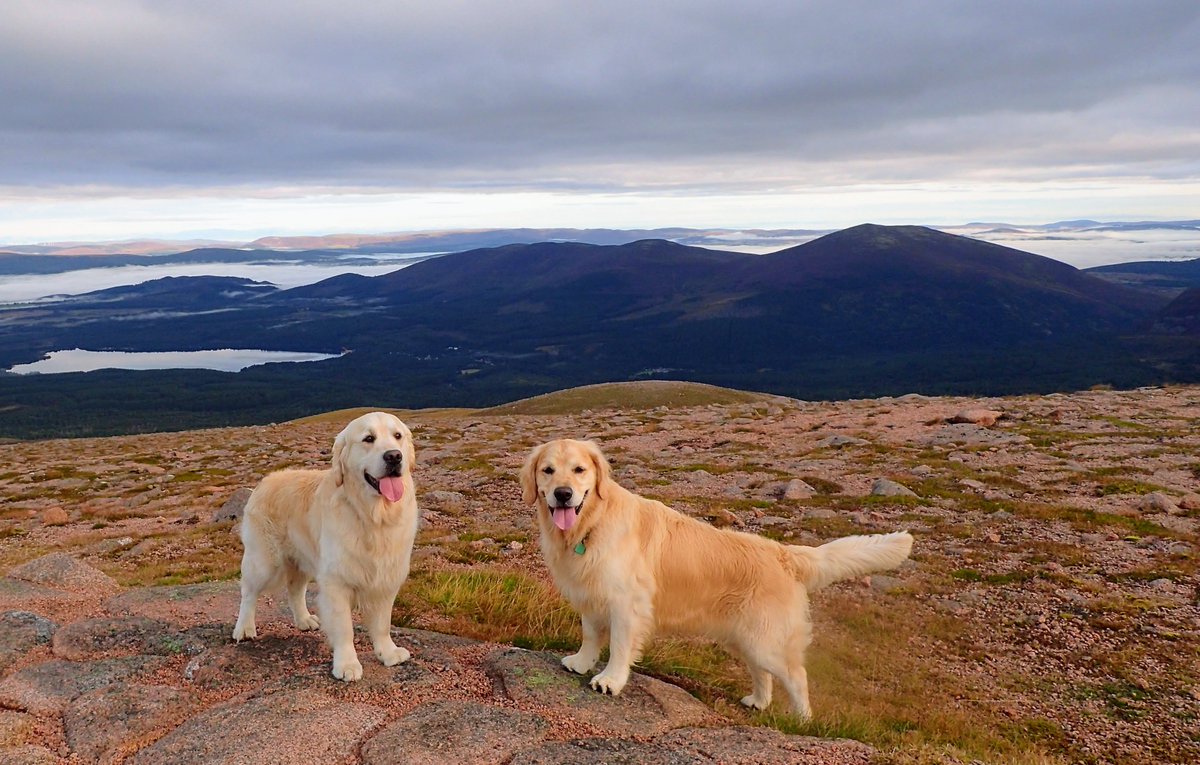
(126, 118)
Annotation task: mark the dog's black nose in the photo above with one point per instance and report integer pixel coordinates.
(563, 494)
(393, 456)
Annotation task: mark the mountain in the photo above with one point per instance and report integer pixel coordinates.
(176, 293)
(1166, 276)
(1182, 315)
(871, 310)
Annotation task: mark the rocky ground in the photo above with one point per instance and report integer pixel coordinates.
(1050, 612)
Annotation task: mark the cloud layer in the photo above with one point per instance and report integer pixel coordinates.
(692, 96)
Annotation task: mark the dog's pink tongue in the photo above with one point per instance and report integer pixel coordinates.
(564, 517)
(392, 488)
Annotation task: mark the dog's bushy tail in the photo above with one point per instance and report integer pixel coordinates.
(849, 557)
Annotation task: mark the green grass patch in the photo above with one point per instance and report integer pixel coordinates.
(491, 604)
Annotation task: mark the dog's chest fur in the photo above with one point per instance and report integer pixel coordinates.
(368, 555)
(595, 579)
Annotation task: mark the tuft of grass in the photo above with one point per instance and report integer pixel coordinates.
(491, 604)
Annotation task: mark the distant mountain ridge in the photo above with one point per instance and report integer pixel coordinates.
(871, 310)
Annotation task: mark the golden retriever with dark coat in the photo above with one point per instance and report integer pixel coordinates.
(350, 528)
(633, 566)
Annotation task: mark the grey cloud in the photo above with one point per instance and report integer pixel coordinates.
(520, 93)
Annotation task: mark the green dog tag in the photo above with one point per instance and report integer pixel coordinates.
(579, 548)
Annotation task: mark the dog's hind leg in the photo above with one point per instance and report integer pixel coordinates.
(377, 617)
(760, 694)
(297, 588)
(256, 576)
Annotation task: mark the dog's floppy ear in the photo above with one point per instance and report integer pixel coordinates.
(603, 470)
(529, 475)
(339, 449)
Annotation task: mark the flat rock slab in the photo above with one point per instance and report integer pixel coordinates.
(193, 604)
(460, 732)
(743, 745)
(606, 751)
(29, 755)
(17, 593)
(21, 631)
(301, 726)
(645, 707)
(304, 660)
(103, 724)
(967, 434)
(63, 572)
(48, 687)
(99, 638)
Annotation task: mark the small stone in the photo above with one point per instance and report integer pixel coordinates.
(55, 516)
(972, 484)
(514, 546)
(722, 518)
(773, 520)
(797, 489)
(982, 417)
(885, 584)
(922, 471)
(1190, 502)
(1157, 502)
(838, 441)
(234, 506)
(819, 512)
(1162, 584)
(884, 487)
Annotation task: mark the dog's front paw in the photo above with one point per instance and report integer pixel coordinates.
(306, 623)
(247, 632)
(755, 702)
(392, 656)
(606, 683)
(347, 669)
(578, 663)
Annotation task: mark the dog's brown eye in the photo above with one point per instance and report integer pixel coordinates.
(368, 439)
(399, 437)
(548, 470)
(578, 469)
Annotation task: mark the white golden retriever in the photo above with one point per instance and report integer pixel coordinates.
(633, 566)
(350, 528)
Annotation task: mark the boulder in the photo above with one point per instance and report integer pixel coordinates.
(645, 707)
(62, 572)
(20, 631)
(466, 732)
(604, 751)
(48, 687)
(298, 726)
(744, 745)
(96, 638)
(100, 724)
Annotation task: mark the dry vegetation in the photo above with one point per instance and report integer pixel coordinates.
(1050, 613)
